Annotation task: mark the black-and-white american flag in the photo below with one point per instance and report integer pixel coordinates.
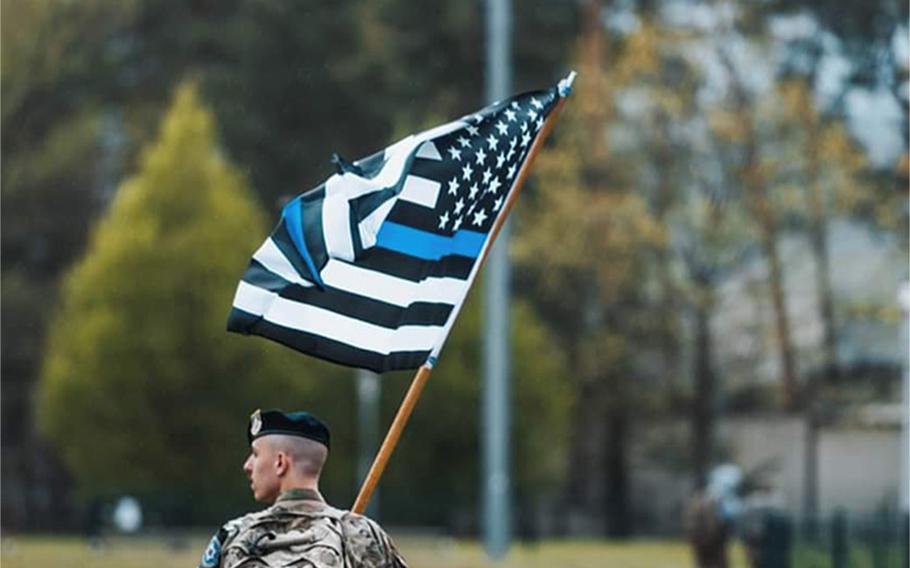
(370, 268)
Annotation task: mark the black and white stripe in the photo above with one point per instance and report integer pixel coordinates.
(368, 305)
(389, 311)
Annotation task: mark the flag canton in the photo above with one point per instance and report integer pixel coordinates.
(475, 166)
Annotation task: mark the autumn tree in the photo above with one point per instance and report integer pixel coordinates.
(823, 175)
(579, 243)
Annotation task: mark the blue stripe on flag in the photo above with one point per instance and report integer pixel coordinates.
(291, 214)
(429, 246)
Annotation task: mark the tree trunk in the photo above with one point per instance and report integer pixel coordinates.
(781, 318)
(668, 328)
(759, 206)
(810, 465)
(818, 238)
(582, 460)
(587, 415)
(616, 496)
(586, 421)
(704, 395)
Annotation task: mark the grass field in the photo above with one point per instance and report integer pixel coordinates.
(420, 552)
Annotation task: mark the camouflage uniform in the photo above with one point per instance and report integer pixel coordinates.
(300, 529)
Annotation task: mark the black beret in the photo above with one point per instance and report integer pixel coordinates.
(303, 424)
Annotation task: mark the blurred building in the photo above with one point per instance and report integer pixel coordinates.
(859, 443)
(859, 440)
(859, 465)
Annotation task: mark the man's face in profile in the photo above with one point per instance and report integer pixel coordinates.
(261, 468)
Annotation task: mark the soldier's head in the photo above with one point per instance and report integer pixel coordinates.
(287, 451)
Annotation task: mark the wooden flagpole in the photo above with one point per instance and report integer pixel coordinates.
(391, 438)
(423, 373)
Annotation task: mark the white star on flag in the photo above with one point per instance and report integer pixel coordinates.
(370, 268)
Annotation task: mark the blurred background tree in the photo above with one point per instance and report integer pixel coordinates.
(54, 80)
(587, 237)
(143, 392)
(639, 230)
(174, 239)
(84, 86)
(445, 424)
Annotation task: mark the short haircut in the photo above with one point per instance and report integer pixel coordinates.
(307, 456)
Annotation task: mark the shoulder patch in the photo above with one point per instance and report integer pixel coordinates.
(212, 555)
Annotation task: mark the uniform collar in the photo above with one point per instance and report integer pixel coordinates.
(300, 494)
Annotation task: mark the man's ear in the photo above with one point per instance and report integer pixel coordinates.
(282, 463)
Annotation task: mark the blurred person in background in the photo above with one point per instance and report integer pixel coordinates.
(287, 452)
(710, 516)
(741, 504)
(763, 526)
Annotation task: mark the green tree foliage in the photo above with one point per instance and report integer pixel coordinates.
(48, 173)
(143, 390)
(291, 84)
(49, 183)
(434, 474)
(429, 57)
(288, 85)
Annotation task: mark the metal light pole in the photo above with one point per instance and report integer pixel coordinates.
(904, 298)
(369, 389)
(496, 352)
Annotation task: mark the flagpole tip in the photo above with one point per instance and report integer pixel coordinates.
(565, 86)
